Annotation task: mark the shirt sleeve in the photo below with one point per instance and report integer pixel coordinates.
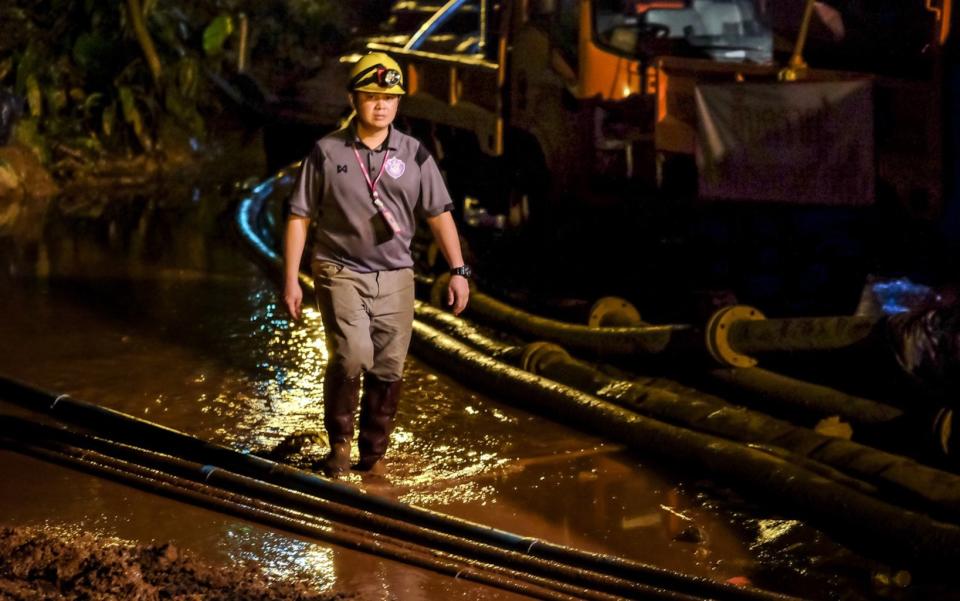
(434, 197)
(309, 186)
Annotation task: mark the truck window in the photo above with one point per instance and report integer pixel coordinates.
(719, 29)
(565, 29)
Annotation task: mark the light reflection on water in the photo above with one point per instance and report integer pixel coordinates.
(203, 345)
(283, 556)
(288, 396)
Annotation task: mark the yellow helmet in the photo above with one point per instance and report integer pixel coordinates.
(378, 73)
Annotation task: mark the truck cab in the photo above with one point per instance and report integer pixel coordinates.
(549, 101)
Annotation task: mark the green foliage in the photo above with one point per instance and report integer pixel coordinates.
(188, 77)
(34, 95)
(108, 119)
(6, 66)
(89, 89)
(56, 100)
(216, 33)
(133, 117)
(83, 74)
(29, 65)
(27, 133)
(95, 54)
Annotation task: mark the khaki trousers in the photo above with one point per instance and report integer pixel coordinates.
(368, 318)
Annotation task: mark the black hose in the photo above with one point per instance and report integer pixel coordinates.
(934, 539)
(273, 515)
(568, 575)
(907, 535)
(123, 427)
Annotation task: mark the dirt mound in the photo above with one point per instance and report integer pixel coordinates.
(37, 566)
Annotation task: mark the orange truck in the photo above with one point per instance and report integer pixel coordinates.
(533, 102)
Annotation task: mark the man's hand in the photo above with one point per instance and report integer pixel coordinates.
(293, 298)
(458, 294)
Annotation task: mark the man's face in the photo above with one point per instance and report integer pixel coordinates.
(374, 110)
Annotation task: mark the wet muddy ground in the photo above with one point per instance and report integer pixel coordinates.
(57, 566)
(151, 307)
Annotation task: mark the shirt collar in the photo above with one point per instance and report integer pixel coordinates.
(390, 143)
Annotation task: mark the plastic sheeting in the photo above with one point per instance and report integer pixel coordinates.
(805, 143)
(891, 296)
(927, 345)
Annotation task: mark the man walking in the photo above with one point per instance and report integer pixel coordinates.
(361, 188)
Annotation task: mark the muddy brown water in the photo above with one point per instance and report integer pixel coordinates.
(152, 308)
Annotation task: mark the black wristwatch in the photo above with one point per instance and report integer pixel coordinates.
(463, 270)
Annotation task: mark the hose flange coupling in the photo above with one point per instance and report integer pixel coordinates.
(718, 335)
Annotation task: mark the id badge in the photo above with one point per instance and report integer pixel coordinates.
(388, 216)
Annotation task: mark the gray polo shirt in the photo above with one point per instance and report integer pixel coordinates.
(333, 193)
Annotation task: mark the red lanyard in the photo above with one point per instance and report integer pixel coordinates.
(372, 184)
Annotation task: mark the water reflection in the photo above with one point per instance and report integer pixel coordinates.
(150, 309)
(291, 362)
(282, 555)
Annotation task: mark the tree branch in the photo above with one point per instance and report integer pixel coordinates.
(135, 13)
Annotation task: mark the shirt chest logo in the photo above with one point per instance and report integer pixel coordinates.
(395, 167)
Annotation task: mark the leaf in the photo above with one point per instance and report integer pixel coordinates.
(28, 65)
(216, 34)
(34, 96)
(185, 111)
(56, 100)
(108, 119)
(9, 179)
(187, 77)
(131, 114)
(91, 101)
(26, 133)
(94, 53)
(5, 66)
(91, 146)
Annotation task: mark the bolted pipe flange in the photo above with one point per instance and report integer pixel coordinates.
(536, 354)
(943, 431)
(611, 312)
(718, 331)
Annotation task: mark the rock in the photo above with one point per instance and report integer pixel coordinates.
(26, 189)
(31, 175)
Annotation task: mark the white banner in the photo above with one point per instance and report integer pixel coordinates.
(800, 142)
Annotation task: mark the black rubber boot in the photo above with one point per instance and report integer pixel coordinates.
(340, 396)
(378, 407)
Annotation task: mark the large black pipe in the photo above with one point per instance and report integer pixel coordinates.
(801, 333)
(803, 489)
(126, 428)
(662, 399)
(791, 393)
(262, 512)
(906, 535)
(24, 430)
